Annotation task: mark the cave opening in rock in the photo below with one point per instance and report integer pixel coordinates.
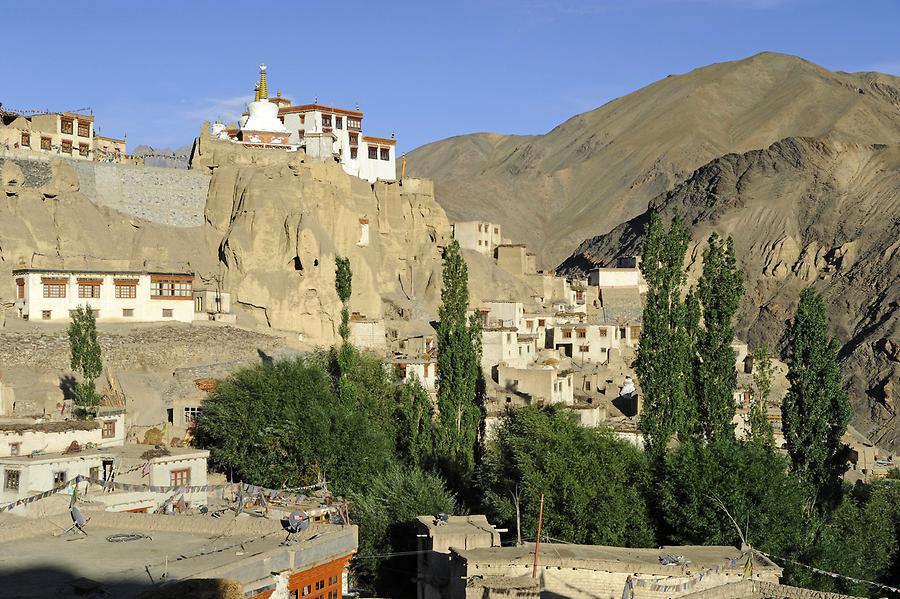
(298, 265)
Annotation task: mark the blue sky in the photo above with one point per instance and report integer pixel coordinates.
(423, 69)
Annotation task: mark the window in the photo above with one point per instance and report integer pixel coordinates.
(567, 333)
(83, 149)
(529, 324)
(15, 448)
(541, 322)
(621, 332)
(45, 314)
(354, 139)
(320, 585)
(635, 332)
(165, 288)
(385, 154)
(479, 242)
(584, 349)
(127, 312)
(307, 590)
(601, 332)
(167, 312)
(353, 153)
(180, 478)
(582, 334)
(496, 230)
(338, 122)
(59, 478)
(26, 140)
(479, 227)
(45, 143)
(66, 127)
(108, 429)
(11, 481)
(20, 288)
(587, 385)
(94, 472)
(84, 129)
(190, 414)
(353, 123)
(326, 120)
(66, 146)
(126, 290)
(373, 153)
(88, 289)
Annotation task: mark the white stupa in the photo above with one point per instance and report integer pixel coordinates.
(263, 114)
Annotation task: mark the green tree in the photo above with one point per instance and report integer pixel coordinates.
(719, 292)
(386, 515)
(760, 431)
(816, 409)
(343, 284)
(710, 480)
(593, 483)
(415, 424)
(281, 424)
(460, 413)
(86, 360)
(665, 355)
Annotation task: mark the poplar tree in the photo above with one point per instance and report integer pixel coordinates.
(86, 360)
(459, 369)
(719, 293)
(760, 431)
(664, 357)
(343, 284)
(816, 410)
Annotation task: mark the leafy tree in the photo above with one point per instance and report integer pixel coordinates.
(859, 539)
(280, 424)
(816, 409)
(719, 293)
(592, 482)
(86, 360)
(664, 357)
(760, 431)
(460, 412)
(386, 514)
(414, 424)
(753, 484)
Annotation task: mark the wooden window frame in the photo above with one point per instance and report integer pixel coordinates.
(15, 448)
(354, 153)
(20, 288)
(83, 149)
(373, 152)
(88, 290)
(168, 313)
(84, 129)
(66, 125)
(567, 333)
(65, 146)
(338, 122)
(59, 477)
(108, 429)
(8, 484)
(385, 153)
(127, 312)
(46, 143)
(326, 120)
(354, 139)
(26, 139)
(191, 413)
(180, 478)
(125, 291)
(584, 349)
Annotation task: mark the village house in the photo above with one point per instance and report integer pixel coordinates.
(591, 571)
(423, 369)
(65, 134)
(113, 296)
(478, 236)
(437, 535)
(545, 384)
(324, 132)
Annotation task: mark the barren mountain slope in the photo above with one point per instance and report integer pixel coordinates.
(802, 212)
(600, 168)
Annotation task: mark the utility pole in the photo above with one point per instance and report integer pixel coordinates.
(537, 542)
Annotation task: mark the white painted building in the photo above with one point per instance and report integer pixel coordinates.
(503, 313)
(544, 383)
(424, 369)
(478, 236)
(114, 296)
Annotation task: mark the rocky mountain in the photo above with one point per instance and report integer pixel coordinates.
(803, 211)
(602, 167)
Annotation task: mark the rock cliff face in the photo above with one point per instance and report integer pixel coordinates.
(282, 221)
(802, 212)
(602, 167)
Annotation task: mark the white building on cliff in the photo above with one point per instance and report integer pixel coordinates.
(324, 132)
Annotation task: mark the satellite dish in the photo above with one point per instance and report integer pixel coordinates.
(78, 520)
(296, 522)
(203, 509)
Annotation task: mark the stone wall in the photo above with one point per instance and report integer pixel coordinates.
(162, 195)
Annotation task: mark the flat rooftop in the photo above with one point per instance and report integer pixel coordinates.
(179, 547)
(612, 559)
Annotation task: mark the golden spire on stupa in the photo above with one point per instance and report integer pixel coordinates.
(263, 89)
(256, 92)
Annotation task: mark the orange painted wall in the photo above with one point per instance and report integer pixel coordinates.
(308, 578)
